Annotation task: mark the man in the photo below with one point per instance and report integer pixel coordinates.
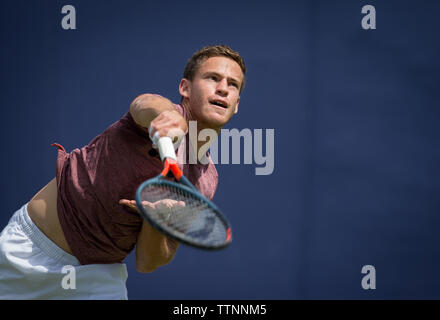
(85, 221)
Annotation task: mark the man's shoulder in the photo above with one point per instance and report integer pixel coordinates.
(179, 108)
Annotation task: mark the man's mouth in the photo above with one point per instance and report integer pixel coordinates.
(219, 103)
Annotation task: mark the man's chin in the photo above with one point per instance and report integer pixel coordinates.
(215, 121)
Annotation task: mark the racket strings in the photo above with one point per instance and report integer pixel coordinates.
(183, 213)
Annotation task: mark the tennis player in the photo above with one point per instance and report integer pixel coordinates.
(69, 241)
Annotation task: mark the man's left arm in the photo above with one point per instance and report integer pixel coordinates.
(153, 249)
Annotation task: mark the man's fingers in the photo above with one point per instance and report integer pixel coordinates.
(148, 204)
(168, 123)
(181, 203)
(130, 204)
(164, 202)
(127, 202)
(169, 203)
(167, 129)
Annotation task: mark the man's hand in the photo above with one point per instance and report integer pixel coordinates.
(163, 208)
(162, 205)
(159, 115)
(129, 204)
(169, 123)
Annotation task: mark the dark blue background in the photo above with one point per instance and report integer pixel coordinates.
(355, 115)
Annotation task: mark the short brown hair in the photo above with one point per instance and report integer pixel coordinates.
(213, 51)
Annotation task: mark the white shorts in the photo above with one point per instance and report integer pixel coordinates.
(33, 267)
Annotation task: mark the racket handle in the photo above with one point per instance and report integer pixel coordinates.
(166, 148)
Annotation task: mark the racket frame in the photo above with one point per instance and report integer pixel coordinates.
(187, 186)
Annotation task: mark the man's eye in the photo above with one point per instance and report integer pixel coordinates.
(234, 84)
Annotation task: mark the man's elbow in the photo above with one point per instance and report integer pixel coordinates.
(146, 107)
(141, 101)
(152, 264)
(145, 268)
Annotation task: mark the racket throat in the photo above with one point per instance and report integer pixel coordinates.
(171, 165)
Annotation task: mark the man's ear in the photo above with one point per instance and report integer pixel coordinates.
(185, 88)
(236, 106)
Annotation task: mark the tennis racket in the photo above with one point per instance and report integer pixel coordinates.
(177, 209)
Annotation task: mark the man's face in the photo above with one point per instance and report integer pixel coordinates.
(213, 95)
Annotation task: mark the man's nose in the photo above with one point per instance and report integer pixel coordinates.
(222, 88)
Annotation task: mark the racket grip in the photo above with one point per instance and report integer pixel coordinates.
(166, 148)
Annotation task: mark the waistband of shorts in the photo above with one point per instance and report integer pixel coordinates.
(42, 241)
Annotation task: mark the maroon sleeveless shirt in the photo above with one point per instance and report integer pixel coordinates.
(93, 179)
